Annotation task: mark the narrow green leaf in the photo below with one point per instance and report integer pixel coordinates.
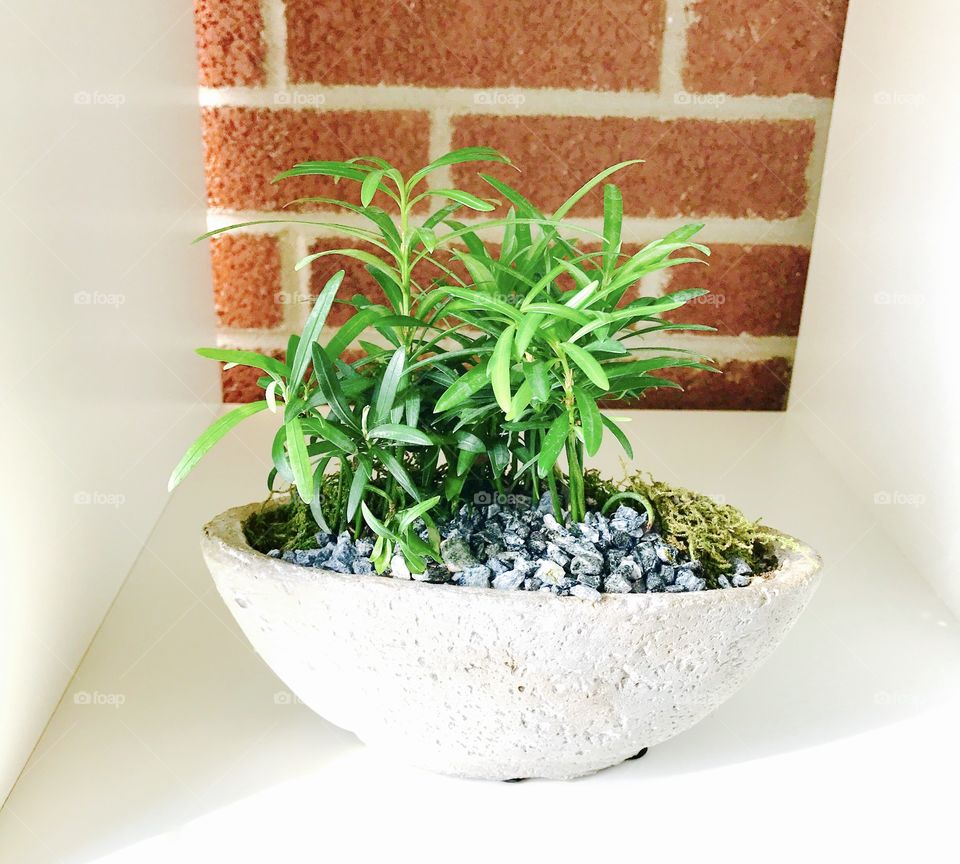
(353, 327)
(587, 363)
(590, 184)
(359, 255)
(213, 433)
(279, 454)
(528, 328)
(470, 443)
(455, 157)
(411, 514)
(465, 460)
(590, 421)
(299, 460)
(376, 525)
(369, 187)
(330, 432)
(579, 300)
(461, 197)
(463, 388)
(316, 503)
(618, 433)
(357, 487)
(329, 386)
(500, 362)
(395, 467)
(327, 169)
(411, 407)
(520, 401)
(612, 223)
(389, 383)
(246, 358)
(401, 433)
(311, 330)
(537, 375)
(552, 444)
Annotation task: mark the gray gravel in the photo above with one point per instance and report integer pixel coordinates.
(529, 550)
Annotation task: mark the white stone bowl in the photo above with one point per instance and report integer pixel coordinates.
(502, 684)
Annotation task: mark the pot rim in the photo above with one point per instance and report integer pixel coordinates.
(224, 534)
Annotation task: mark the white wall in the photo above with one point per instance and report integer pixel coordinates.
(876, 379)
(103, 299)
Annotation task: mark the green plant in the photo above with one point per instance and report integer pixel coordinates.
(481, 379)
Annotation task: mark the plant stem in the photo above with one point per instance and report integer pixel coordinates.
(554, 495)
(575, 491)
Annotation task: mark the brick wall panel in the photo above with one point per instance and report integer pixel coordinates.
(759, 385)
(246, 280)
(764, 47)
(230, 46)
(753, 289)
(692, 168)
(245, 148)
(613, 45)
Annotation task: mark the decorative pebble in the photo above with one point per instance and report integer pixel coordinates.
(477, 576)
(584, 592)
(509, 580)
(530, 550)
(398, 567)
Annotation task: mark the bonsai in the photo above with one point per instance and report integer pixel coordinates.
(456, 446)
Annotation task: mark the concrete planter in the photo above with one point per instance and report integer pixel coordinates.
(501, 684)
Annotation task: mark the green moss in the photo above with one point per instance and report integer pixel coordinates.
(287, 523)
(709, 531)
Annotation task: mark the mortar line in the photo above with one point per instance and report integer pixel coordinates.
(274, 18)
(537, 101)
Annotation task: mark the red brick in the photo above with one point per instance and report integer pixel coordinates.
(230, 45)
(764, 47)
(614, 45)
(693, 167)
(246, 280)
(744, 386)
(239, 384)
(245, 148)
(753, 289)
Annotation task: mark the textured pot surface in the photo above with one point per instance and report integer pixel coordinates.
(502, 684)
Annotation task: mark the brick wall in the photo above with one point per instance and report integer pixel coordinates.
(728, 101)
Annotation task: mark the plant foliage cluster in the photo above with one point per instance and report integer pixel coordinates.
(486, 379)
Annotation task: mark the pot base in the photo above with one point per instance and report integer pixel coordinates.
(639, 755)
(503, 685)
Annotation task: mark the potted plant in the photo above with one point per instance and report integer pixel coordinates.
(437, 568)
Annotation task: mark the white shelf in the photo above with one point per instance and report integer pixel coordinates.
(844, 735)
